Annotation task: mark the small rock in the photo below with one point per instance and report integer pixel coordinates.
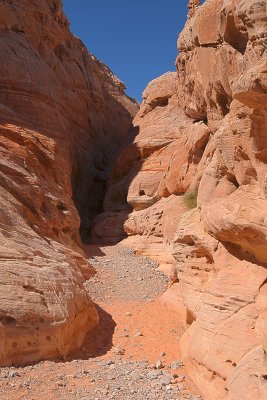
(138, 334)
(118, 387)
(129, 314)
(85, 372)
(61, 384)
(12, 374)
(166, 379)
(118, 350)
(159, 365)
(135, 376)
(154, 374)
(163, 354)
(176, 364)
(179, 378)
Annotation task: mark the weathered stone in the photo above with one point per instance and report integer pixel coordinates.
(59, 108)
(202, 132)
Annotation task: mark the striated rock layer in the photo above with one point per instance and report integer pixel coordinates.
(195, 177)
(63, 115)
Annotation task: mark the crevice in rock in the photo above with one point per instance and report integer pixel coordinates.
(190, 317)
(219, 99)
(204, 120)
(160, 102)
(263, 283)
(231, 362)
(89, 189)
(30, 288)
(16, 28)
(236, 38)
(7, 320)
(231, 178)
(241, 254)
(209, 45)
(92, 169)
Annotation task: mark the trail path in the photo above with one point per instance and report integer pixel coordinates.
(133, 354)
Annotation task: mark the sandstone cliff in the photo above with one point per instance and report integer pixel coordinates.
(63, 115)
(194, 177)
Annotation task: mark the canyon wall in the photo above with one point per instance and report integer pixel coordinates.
(63, 115)
(190, 190)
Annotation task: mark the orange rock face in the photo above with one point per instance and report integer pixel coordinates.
(202, 131)
(63, 115)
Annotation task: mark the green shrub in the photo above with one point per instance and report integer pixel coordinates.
(190, 199)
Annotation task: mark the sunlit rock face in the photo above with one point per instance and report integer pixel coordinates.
(63, 115)
(202, 131)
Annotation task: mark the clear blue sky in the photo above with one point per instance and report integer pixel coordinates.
(135, 38)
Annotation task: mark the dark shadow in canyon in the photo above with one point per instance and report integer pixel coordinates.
(99, 340)
(93, 251)
(94, 157)
(107, 226)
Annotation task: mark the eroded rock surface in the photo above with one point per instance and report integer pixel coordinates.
(63, 115)
(195, 178)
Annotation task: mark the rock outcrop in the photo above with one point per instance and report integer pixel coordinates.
(63, 115)
(195, 179)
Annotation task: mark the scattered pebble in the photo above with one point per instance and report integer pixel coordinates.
(166, 379)
(176, 365)
(99, 378)
(154, 374)
(12, 374)
(159, 364)
(118, 350)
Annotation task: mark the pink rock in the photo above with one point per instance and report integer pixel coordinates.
(203, 131)
(57, 103)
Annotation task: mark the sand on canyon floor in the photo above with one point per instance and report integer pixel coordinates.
(132, 354)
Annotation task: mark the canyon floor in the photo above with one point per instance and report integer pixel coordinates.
(132, 354)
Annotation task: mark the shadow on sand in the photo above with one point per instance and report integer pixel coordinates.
(93, 250)
(99, 340)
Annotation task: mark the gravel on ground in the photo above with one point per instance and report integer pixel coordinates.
(133, 354)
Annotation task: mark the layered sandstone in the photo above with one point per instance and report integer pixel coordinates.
(63, 115)
(201, 134)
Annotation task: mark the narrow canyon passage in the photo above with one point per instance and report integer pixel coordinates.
(180, 178)
(132, 354)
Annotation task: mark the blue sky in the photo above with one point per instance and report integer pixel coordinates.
(135, 38)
